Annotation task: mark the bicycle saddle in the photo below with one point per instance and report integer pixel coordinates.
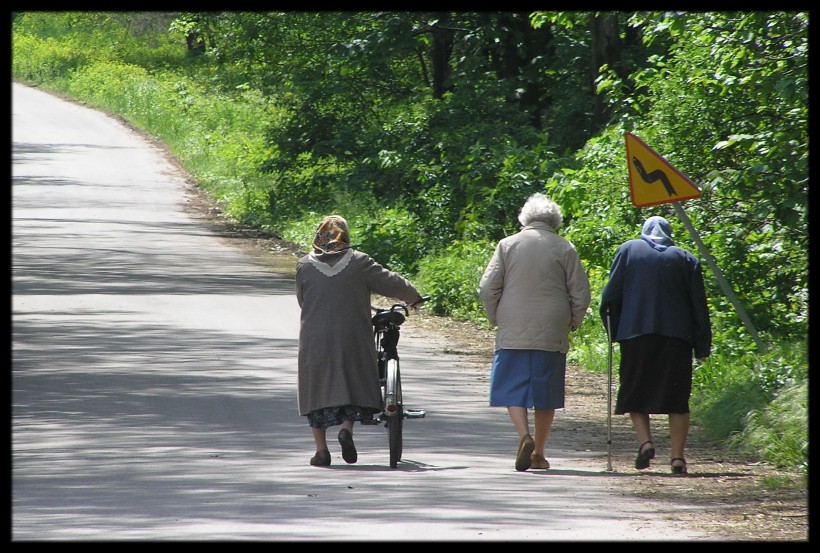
(384, 319)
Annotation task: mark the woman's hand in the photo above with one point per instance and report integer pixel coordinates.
(416, 305)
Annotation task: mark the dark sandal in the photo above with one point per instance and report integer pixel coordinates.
(642, 460)
(678, 469)
(321, 459)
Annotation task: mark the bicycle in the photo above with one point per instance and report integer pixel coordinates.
(386, 331)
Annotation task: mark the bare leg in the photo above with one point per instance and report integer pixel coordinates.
(678, 431)
(348, 425)
(543, 425)
(523, 458)
(319, 436)
(518, 415)
(640, 421)
(646, 450)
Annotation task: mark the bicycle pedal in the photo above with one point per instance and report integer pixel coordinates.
(415, 413)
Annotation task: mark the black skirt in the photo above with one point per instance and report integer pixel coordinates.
(655, 375)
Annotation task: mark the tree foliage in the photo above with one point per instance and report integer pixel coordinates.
(441, 123)
(728, 104)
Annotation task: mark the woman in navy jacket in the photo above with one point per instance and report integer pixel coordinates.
(655, 301)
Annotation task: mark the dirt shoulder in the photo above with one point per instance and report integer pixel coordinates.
(724, 495)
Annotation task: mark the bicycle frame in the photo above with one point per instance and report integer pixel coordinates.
(386, 332)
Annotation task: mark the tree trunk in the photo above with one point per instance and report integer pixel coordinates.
(196, 46)
(440, 51)
(606, 47)
(516, 53)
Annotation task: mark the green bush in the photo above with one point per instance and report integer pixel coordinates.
(39, 60)
(451, 277)
(389, 235)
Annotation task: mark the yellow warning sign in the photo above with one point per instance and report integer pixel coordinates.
(652, 180)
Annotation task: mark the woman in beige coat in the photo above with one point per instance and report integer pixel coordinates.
(535, 291)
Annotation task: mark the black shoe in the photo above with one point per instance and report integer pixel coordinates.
(321, 459)
(348, 447)
(678, 469)
(644, 455)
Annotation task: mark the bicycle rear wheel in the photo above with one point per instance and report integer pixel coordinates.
(394, 410)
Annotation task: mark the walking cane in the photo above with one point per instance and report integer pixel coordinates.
(609, 397)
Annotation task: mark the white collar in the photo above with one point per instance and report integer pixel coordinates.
(331, 270)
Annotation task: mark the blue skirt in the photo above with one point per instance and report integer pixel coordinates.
(528, 378)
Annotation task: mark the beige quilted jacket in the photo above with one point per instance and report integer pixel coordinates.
(535, 290)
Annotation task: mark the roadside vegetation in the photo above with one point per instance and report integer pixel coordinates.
(427, 131)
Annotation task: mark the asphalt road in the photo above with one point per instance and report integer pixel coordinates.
(154, 384)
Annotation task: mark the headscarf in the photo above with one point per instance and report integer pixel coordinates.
(332, 235)
(658, 233)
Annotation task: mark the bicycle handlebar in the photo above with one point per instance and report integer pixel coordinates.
(393, 315)
(421, 301)
(402, 306)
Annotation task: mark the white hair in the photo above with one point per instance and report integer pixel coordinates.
(539, 207)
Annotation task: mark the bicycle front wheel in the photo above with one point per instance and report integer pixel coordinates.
(394, 424)
(394, 410)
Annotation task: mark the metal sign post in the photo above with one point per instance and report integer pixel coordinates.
(609, 398)
(747, 322)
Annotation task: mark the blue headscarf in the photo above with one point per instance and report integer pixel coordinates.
(658, 233)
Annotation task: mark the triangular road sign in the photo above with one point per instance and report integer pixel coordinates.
(652, 180)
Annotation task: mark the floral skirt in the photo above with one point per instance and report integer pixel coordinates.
(332, 416)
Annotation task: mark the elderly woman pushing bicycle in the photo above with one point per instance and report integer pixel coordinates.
(337, 362)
